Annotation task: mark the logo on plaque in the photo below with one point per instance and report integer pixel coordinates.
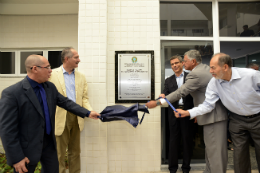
(134, 59)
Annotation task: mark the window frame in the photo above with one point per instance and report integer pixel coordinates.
(18, 59)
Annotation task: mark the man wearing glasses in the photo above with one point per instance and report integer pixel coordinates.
(27, 118)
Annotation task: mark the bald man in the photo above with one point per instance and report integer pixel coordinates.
(239, 91)
(27, 118)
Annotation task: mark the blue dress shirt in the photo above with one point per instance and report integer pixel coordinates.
(240, 95)
(36, 89)
(70, 84)
(41, 96)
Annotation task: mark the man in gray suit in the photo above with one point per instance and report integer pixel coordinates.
(214, 123)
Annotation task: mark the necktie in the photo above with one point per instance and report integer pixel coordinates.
(46, 109)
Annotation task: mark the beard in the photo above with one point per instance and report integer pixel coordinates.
(220, 76)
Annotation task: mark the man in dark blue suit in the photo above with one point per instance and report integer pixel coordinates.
(27, 118)
(179, 129)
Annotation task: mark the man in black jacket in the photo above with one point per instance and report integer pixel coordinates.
(179, 128)
(27, 118)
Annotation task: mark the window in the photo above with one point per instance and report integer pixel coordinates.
(12, 62)
(242, 52)
(239, 19)
(7, 62)
(210, 27)
(186, 19)
(23, 56)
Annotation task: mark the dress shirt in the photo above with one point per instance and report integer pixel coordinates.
(179, 80)
(240, 95)
(70, 84)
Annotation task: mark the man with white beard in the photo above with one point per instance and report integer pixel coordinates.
(239, 91)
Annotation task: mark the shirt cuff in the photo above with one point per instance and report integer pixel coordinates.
(162, 101)
(88, 113)
(192, 113)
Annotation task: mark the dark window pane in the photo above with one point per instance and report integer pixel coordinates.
(186, 19)
(239, 62)
(23, 57)
(54, 58)
(241, 51)
(239, 19)
(7, 63)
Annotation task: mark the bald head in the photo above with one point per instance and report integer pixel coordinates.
(222, 59)
(33, 60)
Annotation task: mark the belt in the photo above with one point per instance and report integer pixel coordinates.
(180, 107)
(248, 116)
(252, 116)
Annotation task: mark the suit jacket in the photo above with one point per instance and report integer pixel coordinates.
(170, 86)
(81, 88)
(22, 122)
(195, 84)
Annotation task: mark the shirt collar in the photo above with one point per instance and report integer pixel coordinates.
(64, 71)
(182, 74)
(234, 75)
(32, 82)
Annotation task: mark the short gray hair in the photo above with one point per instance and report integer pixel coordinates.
(66, 52)
(223, 59)
(176, 57)
(194, 54)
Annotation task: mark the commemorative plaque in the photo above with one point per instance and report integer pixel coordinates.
(134, 76)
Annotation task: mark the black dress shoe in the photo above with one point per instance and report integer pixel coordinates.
(186, 171)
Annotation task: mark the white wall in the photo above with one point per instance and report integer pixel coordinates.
(39, 31)
(43, 32)
(107, 26)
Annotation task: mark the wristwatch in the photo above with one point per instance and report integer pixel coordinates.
(158, 102)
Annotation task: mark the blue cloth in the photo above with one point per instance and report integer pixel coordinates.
(240, 95)
(70, 84)
(179, 80)
(41, 96)
(119, 112)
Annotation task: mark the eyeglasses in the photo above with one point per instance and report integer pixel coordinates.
(47, 67)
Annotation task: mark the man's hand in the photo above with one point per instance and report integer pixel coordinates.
(151, 104)
(21, 166)
(195, 120)
(182, 112)
(94, 115)
(162, 95)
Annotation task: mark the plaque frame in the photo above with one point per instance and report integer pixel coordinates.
(151, 52)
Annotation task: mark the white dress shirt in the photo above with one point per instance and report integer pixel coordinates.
(240, 95)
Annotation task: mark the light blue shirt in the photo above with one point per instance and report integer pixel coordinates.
(70, 84)
(240, 95)
(179, 81)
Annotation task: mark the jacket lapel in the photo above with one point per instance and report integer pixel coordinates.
(174, 82)
(32, 96)
(48, 97)
(76, 82)
(61, 80)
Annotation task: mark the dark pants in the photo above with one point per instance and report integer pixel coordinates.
(49, 158)
(180, 128)
(241, 128)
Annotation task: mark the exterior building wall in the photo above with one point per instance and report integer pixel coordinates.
(38, 31)
(18, 32)
(107, 26)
